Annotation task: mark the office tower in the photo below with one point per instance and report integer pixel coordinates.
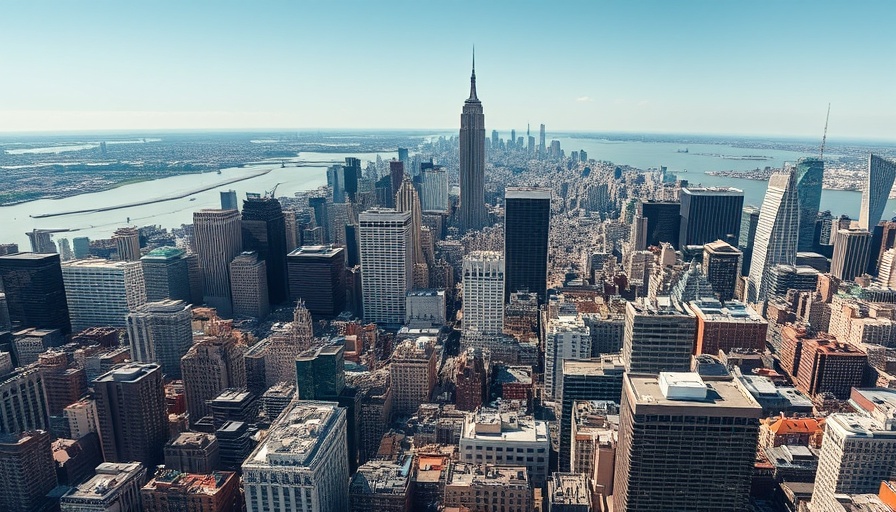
(27, 471)
(747, 235)
(722, 263)
(316, 275)
(65, 250)
(541, 141)
(229, 200)
(684, 446)
(527, 219)
(320, 373)
(352, 173)
(413, 374)
(302, 464)
(196, 279)
(264, 231)
(476, 486)
(80, 247)
(319, 205)
(809, 178)
(279, 361)
(352, 246)
(472, 214)
(339, 215)
(523, 439)
(662, 222)
(851, 252)
(434, 192)
(133, 417)
(732, 326)
(213, 364)
(82, 418)
(234, 404)
(218, 240)
(396, 176)
(204, 492)
(127, 242)
(828, 366)
(161, 332)
(386, 264)
(566, 337)
(166, 274)
(710, 214)
(495, 139)
(657, 339)
(777, 233)
(292, 230)
(115, 486)
(406, 200)
(483, 291)
(41, 241)
(555, 151)
(63, 385)
(425, 308)
(23, 403)
(249, 286)
(336, 182)
(586, 379)
(878, 184)
(101, 292)
(35, 293)
(236, 443)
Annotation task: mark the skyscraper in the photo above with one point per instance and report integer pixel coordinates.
(213, 364)
(434, 192)
(386, 264)
(352, 172)
(566, 337)
(35, 293)
(527, 219)
(541, 142)
(710, 214)
(684, 445)
(851, 251)
(249, 286)
(878, 184)
(161, 332)
(776, 234)
(721, 263)
(472, 214)
(657, 339)
(27, 471)
(218, 239)
(102, 293)
(264, 231)
(747, 236)
(166, 273)
(483, 289)
(133, 416)
(229, 201)
(809, 178)
(663, 222)
(407, 200)
(127, 241)
(317, 276)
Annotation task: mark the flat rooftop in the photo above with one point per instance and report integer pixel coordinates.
(315, 251)
(732, 312)
(722, 398)
(610, 363)
(294, 440)
(527, 193)
(109, 477)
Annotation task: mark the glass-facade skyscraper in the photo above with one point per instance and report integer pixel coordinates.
(878, 184)
(527, 219)
(710, 214)
(809, 178)
(776, 237)
(264, 231)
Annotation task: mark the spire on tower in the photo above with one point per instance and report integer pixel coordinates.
(473, 79)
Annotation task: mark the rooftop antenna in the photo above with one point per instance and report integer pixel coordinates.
(824, 138)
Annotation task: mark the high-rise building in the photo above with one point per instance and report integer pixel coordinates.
(133, 416)
(336, 182)
(809, 177)
(63, 385)
(472, 213)
(35, 291)
(566, 337)
(317, 276)
(264, 231)
(102, 292)
(161, 332)
(249, 286)
(352, 173)
(541, 141)
(475, 486)
(213, 364)
(396, 176)
(217, 491)
(523, 441)
(851, 253)
(23, 402)
(166, 273)
(471, 379)
(527, 220)
(827, 366)
(684, 444)
(662, 222)
(734, 325)
(218, 239)
(407, 200)
(434, 192)
(413, 373)
(127, 242)
(878, 184)
(27, 471)
(115, 486)
(320, 373)
(483, 290)
(747, 235)
(80, 247)
(657, 339)
(710, 214)
(722, 264)
(82, 418)
(302, 464)
(193, 452)
(777, 233)
(386, 264)
(229, 200)
(569, 492)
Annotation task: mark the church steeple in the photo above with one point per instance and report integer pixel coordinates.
(473, 79)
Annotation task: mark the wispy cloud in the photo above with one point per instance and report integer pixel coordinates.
(584, 99)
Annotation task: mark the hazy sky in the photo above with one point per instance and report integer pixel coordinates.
(748, 67)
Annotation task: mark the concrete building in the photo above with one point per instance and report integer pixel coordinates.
(707, 458)
(249, 286)
(101, 292)
(506, 438)
(472, 214)
(27, 472)
(166, 274)
(425, 308)
(213, 364)
(23, 403)
(283, 347)
(527, 221)
(413, 374)
(483, 293)
(193, 452)
(734, 325)
(174, 491)
(386, 264)
(302, 464)
(830, 367)
(657, 339)
(63, 384)
(660, 222)
(594, 436)
(218, 239)
(710, 214)
(567, 337)
(852, 248)
(127, 241)
(471, 379)
(381, 486)
(115, 487)
(35, 292)
(434, 190)
(722, 266)
(82, 418)
(132, 413)
(568, 492)
(316, 274)
(481, 487)
(161, 332)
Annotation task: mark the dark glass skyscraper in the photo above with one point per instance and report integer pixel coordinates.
(35, 294)
(527, 219)
(710, 214)
(663, 221)
(472, 214)
(264, 231)
(809, 177)
(352, 173)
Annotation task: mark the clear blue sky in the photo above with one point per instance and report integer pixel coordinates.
(750, 67)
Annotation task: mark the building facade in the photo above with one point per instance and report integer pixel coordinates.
(483, 293)
(386, 264)
(527, 221)
(472, 213)
(217, 239)
(161, 332)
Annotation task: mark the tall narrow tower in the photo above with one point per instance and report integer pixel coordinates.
(878, 183)
(776, 234)
(472, 213)
(809, 178)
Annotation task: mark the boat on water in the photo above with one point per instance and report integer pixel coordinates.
(192, 199)
(685, 150)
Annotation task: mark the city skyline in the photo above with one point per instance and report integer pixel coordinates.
(650, 67)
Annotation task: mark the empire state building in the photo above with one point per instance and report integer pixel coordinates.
(472, 214)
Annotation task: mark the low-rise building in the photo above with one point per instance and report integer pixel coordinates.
(381, 486)
(173, 491)
(506, 439)
(488, 488)
(568, 492)
(192, 452)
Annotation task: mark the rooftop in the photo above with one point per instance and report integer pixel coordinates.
(527, 193)
(192, 440)
(606, 364)
(492, 425)
(714, 191)
(130, 372)
(109, 477)
(858, 425)
(315, 251)
(295, 438)
(569, 489)
(382, 477)
(465, 474)
(718, 398)
(164, 253)
(170, 480)
(97, 263)
(733, 311)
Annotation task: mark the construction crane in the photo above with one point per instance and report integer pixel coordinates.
(824, 138)
(272, 192)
